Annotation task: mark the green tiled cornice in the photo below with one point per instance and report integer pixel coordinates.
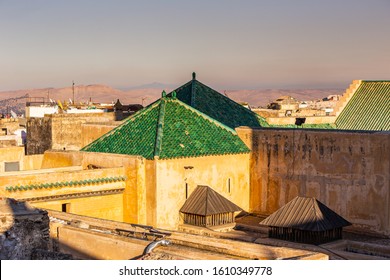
(57, 185)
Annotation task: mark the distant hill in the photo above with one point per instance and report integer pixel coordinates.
(146, 95)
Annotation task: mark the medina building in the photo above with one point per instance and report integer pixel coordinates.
(145, 169)
(160, 155)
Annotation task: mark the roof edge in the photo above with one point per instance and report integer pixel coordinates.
(132, 117)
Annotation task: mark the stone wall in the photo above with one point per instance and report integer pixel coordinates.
(67, 128)
(39, 135)
(23, 230)
(60, 131)
(347, 171)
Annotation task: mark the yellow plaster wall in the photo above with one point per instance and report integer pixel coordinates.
(32, 162)
(134, 171)
(67, 131)
(133, 168)
(54, 159)
(147, 200)
(11, 154)
(107, 207)
(213, 171)
(91, 132)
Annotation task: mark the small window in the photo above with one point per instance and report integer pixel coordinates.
(229, 185)
(65, 207)
(11, 166)
(186, 190)
(300, 121)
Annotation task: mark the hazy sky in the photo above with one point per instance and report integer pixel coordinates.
(230, 44)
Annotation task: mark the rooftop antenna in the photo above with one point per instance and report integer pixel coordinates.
(73, 91)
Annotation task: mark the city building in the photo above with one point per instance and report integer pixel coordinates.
(144, 169)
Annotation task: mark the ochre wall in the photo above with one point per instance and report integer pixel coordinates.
(54, 159)
(110, 207)
(97, 199)
(91, 132)
(11, 154)
(348, 172)
(85, 244)
(60, 131)
(133, 169)
(213, 171)
(67, 131)
(32, 162)
(134, 182)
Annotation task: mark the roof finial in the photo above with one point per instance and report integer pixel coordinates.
(174, 94)
(193, 75)
(163, 94)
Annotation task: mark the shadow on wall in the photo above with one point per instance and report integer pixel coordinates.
(24, 232)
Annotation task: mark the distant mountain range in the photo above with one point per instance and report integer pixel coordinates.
(146, 94)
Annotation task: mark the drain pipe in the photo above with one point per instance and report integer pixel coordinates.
(156, 244)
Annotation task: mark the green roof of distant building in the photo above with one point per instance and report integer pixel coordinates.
(368, 108)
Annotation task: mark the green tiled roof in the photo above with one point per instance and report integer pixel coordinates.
(167, 129)
(368, 109)
(217, 106)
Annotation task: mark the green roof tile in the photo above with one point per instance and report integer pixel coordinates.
(217, 106)
(368, 109)
(169, 128)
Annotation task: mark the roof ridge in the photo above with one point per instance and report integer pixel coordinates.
(232, 101)
(205, 116)
(159, 132)
(227, 98)
(193, 92)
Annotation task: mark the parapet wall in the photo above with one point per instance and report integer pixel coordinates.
(347, 171)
